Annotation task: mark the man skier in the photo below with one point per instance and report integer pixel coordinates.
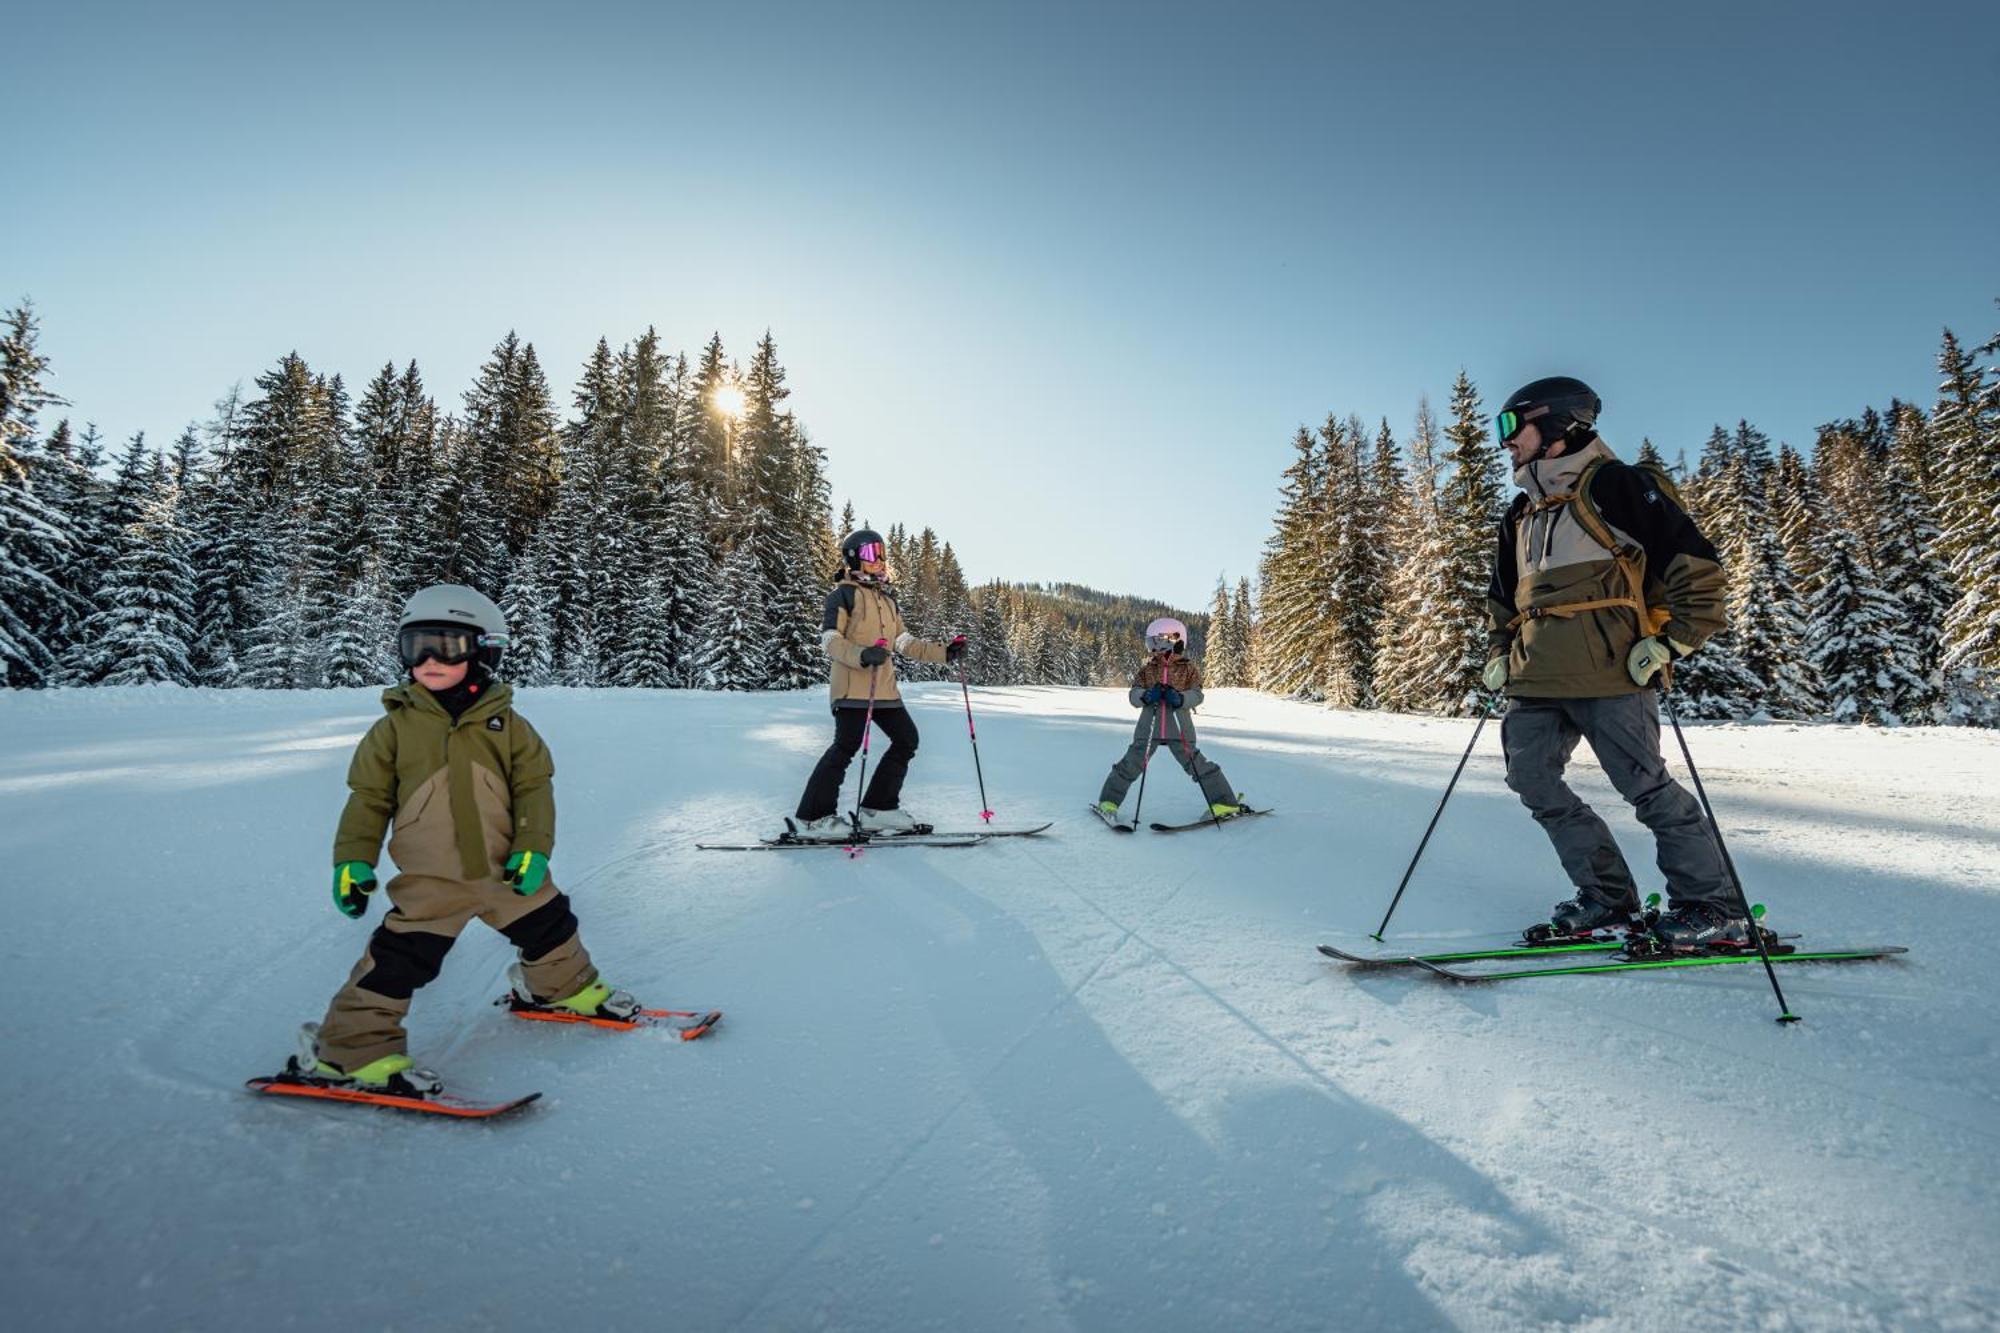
(1600, 581)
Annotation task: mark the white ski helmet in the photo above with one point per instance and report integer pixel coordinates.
(1165, 635)
(445, 607)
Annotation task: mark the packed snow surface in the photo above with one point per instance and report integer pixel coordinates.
(1084, 1081)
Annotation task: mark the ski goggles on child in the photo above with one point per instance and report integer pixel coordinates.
(868, 553)
(449, 644)
(1161, 643)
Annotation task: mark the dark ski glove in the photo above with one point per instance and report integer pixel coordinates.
(955, 649)
(1172, 696)
(353, 881)
(1152, 694)
(875, 654)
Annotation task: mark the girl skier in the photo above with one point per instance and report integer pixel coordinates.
(860, 631)
(1167, 690)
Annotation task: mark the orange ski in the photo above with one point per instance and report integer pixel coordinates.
(286, 1085)
(687, 1024)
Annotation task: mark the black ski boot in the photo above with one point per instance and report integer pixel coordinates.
(1583, 918)
(1698, 927)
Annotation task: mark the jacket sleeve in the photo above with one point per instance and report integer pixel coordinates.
(1189, 678)
(1500, 592)
(1678, 556)
(531, 773)
(833, 632)
(909, 645)
(1142, 680)
(371, 796)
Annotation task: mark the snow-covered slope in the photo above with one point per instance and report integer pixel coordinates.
(1084, 1081)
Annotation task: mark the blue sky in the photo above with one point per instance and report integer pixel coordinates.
(1059, 280)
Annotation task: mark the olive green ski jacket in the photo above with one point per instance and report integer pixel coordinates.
(464, 796)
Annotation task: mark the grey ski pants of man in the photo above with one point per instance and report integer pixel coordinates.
(1540, 735)
(1181, 743)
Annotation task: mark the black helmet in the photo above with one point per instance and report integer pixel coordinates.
(1566, 408)
(851, 547)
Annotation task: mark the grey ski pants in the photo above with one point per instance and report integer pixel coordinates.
(1540, 735)
(1181, 743)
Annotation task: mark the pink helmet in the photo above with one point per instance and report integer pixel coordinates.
(1166, 635)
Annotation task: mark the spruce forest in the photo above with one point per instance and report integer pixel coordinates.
(674, 528)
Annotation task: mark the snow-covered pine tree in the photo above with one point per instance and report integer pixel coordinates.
(733, 647)
(510, 428)
(991, 662)
(1469, 508)
(1714, 682)
(1222, 664)
(529, 605)
(1766, 619)
(1966, 426)
(361, 635)
(37, 543)
(1798, 518)
(1906, 552)
(1417, 617)
(1243, 628)
(1853, 637)
(1352, 598)
(1293, 573)
(145, 619)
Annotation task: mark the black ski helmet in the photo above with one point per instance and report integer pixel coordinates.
(1563, 408)
(851, 544)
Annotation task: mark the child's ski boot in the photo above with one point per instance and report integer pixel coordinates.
(596, 1000)
(392, 1075)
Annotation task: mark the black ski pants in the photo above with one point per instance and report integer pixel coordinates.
(885, 780)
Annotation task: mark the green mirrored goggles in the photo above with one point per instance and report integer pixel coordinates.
(1508, 425)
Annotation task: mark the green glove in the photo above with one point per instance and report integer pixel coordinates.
(1495, 674)
(526, 871)
(353, 881)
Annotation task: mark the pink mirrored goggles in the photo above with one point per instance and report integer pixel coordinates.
(869, 552)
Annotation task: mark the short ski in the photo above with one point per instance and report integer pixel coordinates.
(290, 1085)
(687, 1024)
(1680, 960)
(1244, 813)
(851, 845)
(1471, 955)
(1112, 824)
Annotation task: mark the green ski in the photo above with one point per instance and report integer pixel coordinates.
(1652, 964)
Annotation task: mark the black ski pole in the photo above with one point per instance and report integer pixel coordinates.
(985, 812)
(1435, 816)
(867, 724)
(1785, 1014)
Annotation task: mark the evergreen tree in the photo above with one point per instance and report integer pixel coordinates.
(1222, 666)
(144, 622)
(734, 644)
(1411, 659)
(1469, 507)
(36, 540)
(1293, 571)
(1906, 549)
(1853, 637)
(1966, 427)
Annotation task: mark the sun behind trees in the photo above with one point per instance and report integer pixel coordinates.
(673, 530)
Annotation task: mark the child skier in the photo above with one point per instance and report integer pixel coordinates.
(861, 628)
(1167, 690)
(468, 786)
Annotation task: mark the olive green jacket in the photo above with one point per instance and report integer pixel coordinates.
(464, 796)
(1547, 568)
